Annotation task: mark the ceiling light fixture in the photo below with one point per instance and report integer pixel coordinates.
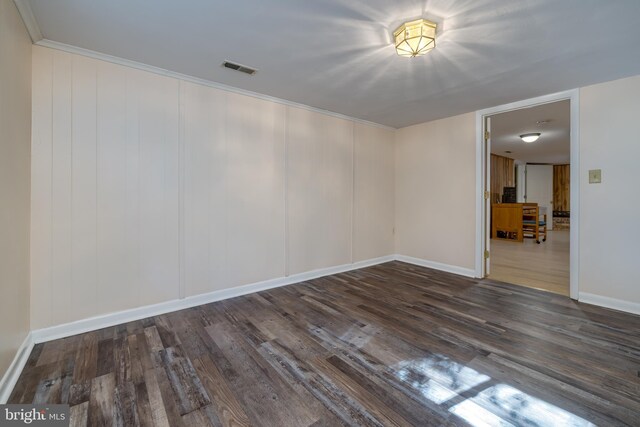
(415, 38)
(530, 137)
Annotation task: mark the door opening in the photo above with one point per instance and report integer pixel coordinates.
(540, 177)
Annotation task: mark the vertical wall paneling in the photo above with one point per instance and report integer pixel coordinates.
(502, 175)
(147, 189)
(319, 160)
(61, 186)
(374, 178)
(204, 196)
(255, 183)
(84, 200)
(41, 166)
(285, 157)
(561, 187)
(16, 112)
(181, 190)
(132, 192)
(111, 188)
(159, 186)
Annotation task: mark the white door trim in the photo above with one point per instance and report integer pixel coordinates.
(481, 161)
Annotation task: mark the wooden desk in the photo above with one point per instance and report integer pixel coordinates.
(506, 221)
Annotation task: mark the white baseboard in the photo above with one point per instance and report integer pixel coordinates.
(468, 272)
(112, 319)
(616, 304)
(10, 378)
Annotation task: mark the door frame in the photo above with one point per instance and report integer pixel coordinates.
(483, 180)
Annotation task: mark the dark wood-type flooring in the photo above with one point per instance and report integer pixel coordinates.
(387, 345)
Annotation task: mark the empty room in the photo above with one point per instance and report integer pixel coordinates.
(319, 213)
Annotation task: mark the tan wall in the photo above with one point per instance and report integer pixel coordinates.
(435, 191)
(374, 184)
(147, 188)
(609, 212)
(15, 139)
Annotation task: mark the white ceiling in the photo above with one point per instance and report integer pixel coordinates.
(553, 146)
(337, 54)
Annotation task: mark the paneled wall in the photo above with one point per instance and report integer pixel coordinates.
(561, 187)
(319, 190)
(502, 175)
(374, 180)
(15, 126)
(147, 189)
(435, 191)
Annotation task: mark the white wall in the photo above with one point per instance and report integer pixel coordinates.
(609, 212)
(15, 136)
(147, 189)
(540, 189)
(374, 211)
(435, 191)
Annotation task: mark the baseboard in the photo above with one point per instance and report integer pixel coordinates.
(468, 272)
(613, 303)
(112, 319)
(10, 378)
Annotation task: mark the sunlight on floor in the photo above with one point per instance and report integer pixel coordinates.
(446, 382)
(439, 379)
(518, 407)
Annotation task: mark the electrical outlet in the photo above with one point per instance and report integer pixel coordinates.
(595, 176)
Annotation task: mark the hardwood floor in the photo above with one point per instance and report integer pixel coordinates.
(541, 266)
(392, 344)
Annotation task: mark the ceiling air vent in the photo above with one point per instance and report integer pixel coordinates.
(238, 67)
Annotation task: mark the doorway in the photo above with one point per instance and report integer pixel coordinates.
(535, 178)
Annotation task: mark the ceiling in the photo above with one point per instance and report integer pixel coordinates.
(337, 54)
(553, 146)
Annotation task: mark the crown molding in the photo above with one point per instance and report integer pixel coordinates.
(24, 8)
(187, 78)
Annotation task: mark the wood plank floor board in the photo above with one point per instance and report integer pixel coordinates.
(393, 344)
(541, 266)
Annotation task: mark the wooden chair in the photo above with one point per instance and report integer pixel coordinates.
(533, 227)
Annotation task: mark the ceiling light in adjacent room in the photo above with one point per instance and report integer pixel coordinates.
(415, 38)
(530, 137)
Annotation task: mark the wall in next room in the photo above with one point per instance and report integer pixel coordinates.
(15, 137)
(503, 174)
(148, 188)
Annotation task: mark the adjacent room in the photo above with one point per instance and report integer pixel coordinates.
(530, 168)
(319, 213)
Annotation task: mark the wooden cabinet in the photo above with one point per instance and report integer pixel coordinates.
(515, 221)
(506, 221)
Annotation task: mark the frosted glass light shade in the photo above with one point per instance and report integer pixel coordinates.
(530, 137)
(415, 38)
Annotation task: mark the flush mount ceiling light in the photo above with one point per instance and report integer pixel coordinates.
(415, 38)
(530, 137)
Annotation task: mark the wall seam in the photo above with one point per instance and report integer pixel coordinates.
(286, 191)
(181, 192)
